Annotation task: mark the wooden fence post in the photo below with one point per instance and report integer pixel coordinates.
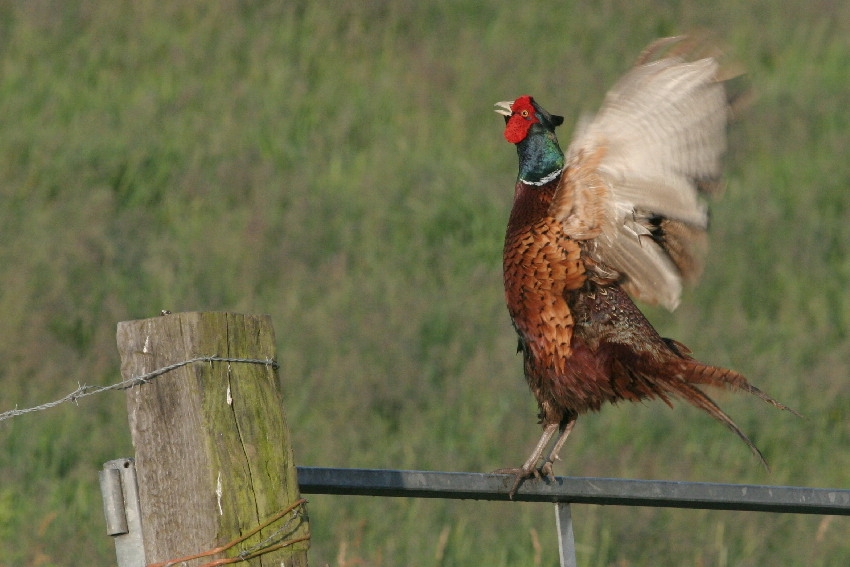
(213, 455)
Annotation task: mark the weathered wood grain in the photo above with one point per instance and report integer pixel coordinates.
(213, 456)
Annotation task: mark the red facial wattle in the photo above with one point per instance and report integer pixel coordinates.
(521, 119)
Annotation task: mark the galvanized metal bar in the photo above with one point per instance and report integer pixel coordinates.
(607, 491)
(113, 502)
(121, 508)
(566, 540)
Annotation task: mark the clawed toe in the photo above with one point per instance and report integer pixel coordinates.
(521, 473)
(530, 468)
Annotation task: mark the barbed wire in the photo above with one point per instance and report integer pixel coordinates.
(84, 391)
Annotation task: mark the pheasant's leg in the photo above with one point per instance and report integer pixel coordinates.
(546, 469)
(530, 466)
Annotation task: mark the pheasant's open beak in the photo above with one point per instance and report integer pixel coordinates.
(504, 107)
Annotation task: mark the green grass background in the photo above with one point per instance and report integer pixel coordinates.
(338, 165)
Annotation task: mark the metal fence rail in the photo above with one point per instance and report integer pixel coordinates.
(607, 491)
(565, 490)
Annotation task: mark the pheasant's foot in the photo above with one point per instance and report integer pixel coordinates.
(519, 474)
(529, 468)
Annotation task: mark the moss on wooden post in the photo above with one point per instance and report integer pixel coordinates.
(213, 456)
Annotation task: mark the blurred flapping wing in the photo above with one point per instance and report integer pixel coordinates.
(635, 171)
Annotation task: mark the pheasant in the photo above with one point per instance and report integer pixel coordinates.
(619, 216)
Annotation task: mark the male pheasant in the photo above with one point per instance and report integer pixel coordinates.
(620, 215)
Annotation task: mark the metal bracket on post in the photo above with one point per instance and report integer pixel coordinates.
(121, 509)
(566, 541)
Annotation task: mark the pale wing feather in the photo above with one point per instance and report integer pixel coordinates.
(648, 265)
(671, 197)
(659, 135)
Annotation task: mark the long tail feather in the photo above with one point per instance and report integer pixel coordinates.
(724, 378)
(697, 398)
